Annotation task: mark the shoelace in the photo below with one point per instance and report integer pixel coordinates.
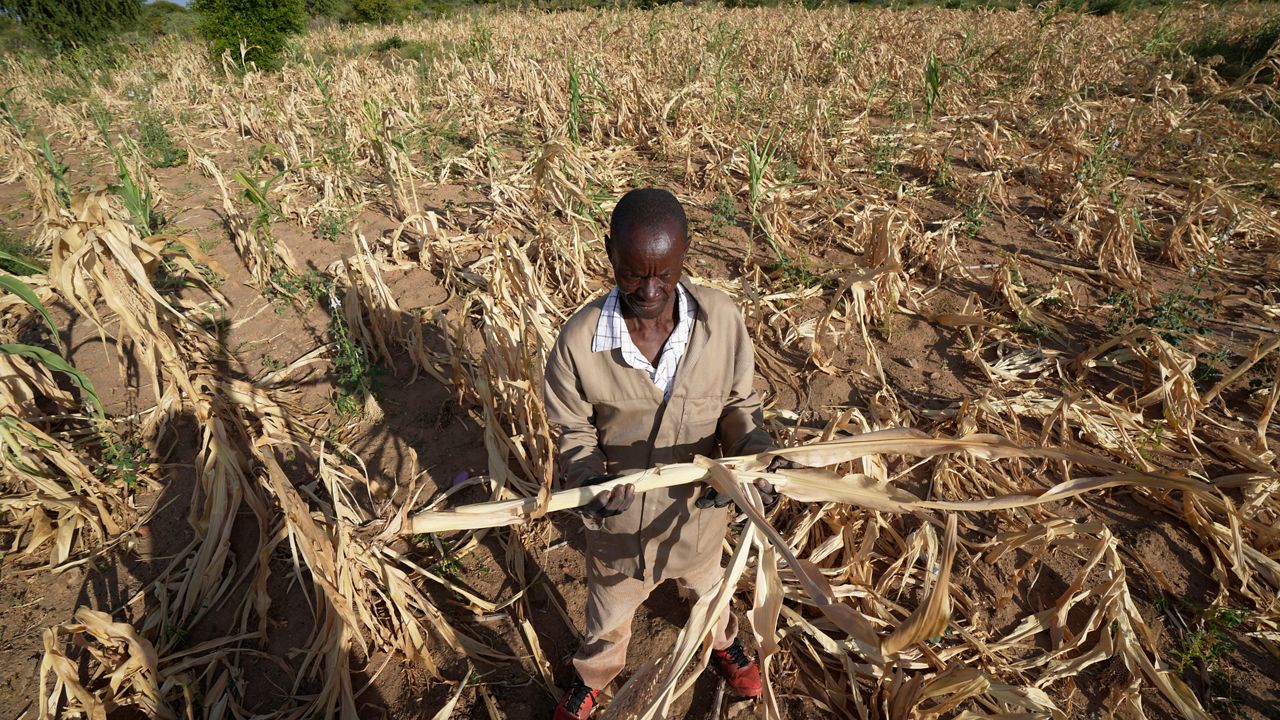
(737, 655)
(578, 694)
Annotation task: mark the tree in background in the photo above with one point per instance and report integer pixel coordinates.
(263, 26)
(60, 25)
(327, 8)
(161, 17)
(379, 11)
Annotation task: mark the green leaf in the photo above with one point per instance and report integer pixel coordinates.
(55, 362)
(23, 264)
(19, 288)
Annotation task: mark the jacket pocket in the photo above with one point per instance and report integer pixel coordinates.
(700, 418)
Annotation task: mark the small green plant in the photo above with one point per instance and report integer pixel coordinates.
(331, 226)
(724, 213)
(1152, 439)
(1178, 314)
(1209, 366)
(57, 171)
(796, 275)
(175, 635)
(886, 148)
(480, 43)
(157, 145)
(354, 369)
(271, 364)
(759, 157)
(123, 460)
(1093, 172)
(393, 42)
(1207, 639)
(975, 216)
(134, 191)
(1124, 305)
(724, 43)
(137, 199)
(574, 121)
(944, 177)
(1175, 315)
(932, 85)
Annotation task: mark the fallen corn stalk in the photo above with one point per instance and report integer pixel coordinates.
(818, 485)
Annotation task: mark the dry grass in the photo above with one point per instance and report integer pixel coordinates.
(861, 592)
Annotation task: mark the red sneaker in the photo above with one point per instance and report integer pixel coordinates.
(739, 671)
(578, 703)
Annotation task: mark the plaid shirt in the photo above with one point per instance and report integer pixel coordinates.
(611, 333)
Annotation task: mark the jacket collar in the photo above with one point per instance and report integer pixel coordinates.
(697, 340)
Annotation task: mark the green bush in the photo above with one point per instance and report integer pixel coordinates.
(328, 8)
(379, 11)
(262, 25)
(58, 26)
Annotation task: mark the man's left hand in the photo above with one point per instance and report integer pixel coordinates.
(711, 498)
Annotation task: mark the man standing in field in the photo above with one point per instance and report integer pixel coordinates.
(655, 372)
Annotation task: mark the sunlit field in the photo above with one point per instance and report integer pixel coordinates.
(260, 331)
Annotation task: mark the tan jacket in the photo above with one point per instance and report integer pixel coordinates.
(613, 420)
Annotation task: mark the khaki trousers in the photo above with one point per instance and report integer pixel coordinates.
(612, 600)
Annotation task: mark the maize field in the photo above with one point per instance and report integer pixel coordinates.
(271, 347)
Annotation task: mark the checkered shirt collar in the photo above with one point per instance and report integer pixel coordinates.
(611, 333)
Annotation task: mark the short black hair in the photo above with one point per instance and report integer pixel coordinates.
(652, 207)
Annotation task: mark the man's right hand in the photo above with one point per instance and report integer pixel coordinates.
(609, 502)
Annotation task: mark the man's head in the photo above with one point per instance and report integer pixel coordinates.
(647, 242)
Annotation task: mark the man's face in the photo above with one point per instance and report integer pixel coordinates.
(647, 265)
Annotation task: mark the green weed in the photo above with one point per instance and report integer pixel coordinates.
(18, 256)
(123, 461)
(574, 120)
(792, 275)
(1174, 316)
(1124, 307)
(759, 157)
(331, 226)
(1200, 646)
(1207, 639)
(134, 191)
(932, 85)
(57, 171)
(886, 149)
(157, 145)
(724, 213)
(1209, 366)
(975, 216)
(944, 176)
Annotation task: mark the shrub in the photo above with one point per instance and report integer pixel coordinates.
(262, 25)
(327, 8)
(379, 11)
(58, 26)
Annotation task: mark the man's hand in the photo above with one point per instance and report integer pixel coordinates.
(609, 502)
(711, 498)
